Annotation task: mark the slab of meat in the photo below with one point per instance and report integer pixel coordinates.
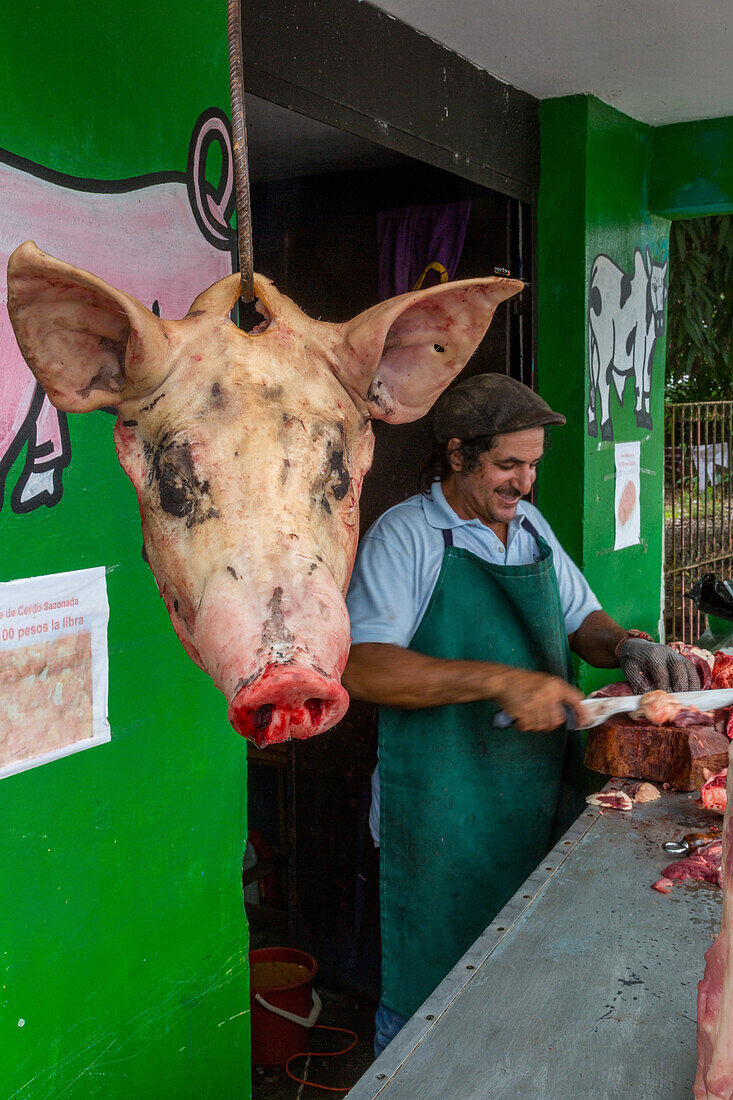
(662, 754)
(247, 451)
(714, 1078)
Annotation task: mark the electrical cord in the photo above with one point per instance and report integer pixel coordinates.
(323, 1054)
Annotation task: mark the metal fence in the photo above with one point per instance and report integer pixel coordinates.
(698, 507)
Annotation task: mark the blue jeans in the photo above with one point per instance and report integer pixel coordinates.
(386, 1025)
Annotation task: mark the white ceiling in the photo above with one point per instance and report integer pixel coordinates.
(656, 60)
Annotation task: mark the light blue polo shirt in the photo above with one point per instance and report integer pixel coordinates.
(400, 556)
(399, 561)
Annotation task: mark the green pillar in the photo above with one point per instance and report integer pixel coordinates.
(124, 941)
(593, 201)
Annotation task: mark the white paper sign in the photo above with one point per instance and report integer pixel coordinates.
(626, 504)
(53, 667)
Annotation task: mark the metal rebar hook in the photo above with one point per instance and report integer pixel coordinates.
(239, 145)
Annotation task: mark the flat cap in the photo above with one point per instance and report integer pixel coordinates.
(489, 404)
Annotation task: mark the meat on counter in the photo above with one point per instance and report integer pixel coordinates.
(645, 792)
(713, 793)
(611, 800)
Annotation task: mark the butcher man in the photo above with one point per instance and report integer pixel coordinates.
(462, 603)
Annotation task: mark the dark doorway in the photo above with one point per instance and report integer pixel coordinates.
(316, 237)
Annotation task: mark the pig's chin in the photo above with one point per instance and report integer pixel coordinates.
(287, 701)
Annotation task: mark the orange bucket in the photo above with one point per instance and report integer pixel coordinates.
(283, 1001)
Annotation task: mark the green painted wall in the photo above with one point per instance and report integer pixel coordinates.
(124, 940)
(593, 200)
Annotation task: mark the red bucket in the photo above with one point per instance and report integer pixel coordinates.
(284, 1003)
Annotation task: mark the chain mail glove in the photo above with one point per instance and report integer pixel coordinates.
(649, 666)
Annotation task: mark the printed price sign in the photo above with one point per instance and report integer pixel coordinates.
(53, 667)
(626, 497)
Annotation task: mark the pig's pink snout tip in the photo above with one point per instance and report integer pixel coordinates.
(287, 702)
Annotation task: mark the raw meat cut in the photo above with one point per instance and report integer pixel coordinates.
(646, 792)
(662, 709)
(611, 800)
(723, 670)
(681, 716)
(713, 793)
(247, 451)
(612, 691)
(703, 865)
(689, 716)
(658, 707)
(714, 1078)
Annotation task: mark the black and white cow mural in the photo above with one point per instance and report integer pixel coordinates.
(625, 320)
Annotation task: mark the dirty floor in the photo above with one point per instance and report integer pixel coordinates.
(340, 1009)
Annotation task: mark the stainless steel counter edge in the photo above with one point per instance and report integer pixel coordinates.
(419, 1026)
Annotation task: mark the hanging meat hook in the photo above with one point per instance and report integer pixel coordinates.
(239, 144)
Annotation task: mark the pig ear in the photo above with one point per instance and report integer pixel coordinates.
(401, 354)
(88, 344)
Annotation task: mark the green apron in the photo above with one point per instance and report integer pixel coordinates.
(467, 811)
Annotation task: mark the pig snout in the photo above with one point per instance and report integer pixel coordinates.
(277, 660)
(287, 701)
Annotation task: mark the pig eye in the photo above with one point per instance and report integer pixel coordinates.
(182, 494)
(438, 347)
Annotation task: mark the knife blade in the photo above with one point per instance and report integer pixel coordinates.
(599, 710)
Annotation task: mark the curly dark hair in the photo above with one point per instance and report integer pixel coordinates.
(437, 467)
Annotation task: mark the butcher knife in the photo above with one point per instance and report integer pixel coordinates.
(598, 710)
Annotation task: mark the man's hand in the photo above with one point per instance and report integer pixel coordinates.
(535, 700)
(649, 666)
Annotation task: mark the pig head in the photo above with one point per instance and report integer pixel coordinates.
(247, 451)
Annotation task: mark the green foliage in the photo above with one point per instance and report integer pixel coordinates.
(700, 310)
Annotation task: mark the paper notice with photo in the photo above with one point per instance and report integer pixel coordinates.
(54, 667)
(626, 503)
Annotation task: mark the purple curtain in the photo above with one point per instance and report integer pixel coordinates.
(415, 236)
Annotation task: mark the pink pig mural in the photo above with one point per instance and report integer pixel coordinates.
(163, 236)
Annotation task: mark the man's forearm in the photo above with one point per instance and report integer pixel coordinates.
(391, 676)
(597, 639)
(395, 677)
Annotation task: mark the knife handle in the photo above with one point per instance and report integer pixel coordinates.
(504, 721)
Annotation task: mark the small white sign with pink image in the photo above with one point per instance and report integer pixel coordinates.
(53, 667)
(626, 504)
